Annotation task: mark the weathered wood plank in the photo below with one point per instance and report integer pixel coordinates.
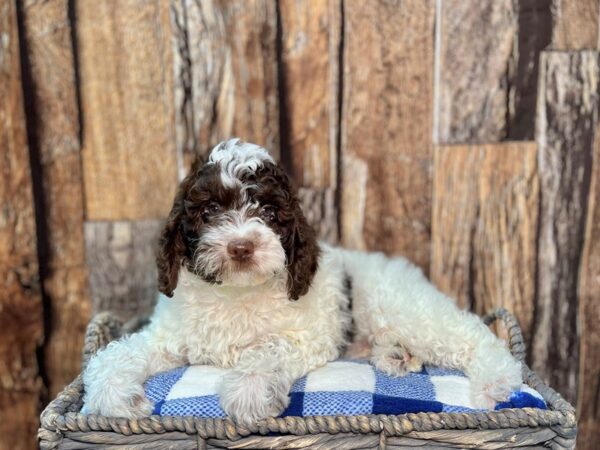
(225, 64)
(484, 226)
(588, 398)
(386, 127)
(54, 128)
(121, 261)
(487, 68)
(310, 52)
(20, 300)
(474, 44)
(566, 123)
(534, 34)
(320, 208)
(129, 157)
(575, 24)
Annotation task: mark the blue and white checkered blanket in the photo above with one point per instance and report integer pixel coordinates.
(344, 387)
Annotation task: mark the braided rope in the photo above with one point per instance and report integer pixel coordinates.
(102, 329)
(61, 414)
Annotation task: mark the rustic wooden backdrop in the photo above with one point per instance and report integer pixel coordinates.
(462, 134)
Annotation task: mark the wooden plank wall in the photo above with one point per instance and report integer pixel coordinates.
(386, 127)
(54, 139)
(483, 226)
(310, 52)
(461, 134)
(566, 126)
(225, 74)
(20, 297)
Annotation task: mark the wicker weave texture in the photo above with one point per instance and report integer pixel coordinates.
(63, 427)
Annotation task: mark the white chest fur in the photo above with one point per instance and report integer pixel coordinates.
(206, 324)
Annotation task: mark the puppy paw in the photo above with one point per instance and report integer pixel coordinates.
(250, 397)
(395, 360)
(485, 395)
(494, 375)
(128, 403)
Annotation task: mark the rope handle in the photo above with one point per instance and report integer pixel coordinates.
(516, 343)
(104, 328)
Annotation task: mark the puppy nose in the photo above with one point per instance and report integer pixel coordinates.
(240, 249)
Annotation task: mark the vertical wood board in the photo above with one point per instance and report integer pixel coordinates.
(475, 41)
(310, 77)
(386, 154)
(484, 227)
(125, 61)
(575, 24)
(534, 34)
(121, 261)
(53, 117)
(588, 398)
(225, 69)
(20, 300)
(567, 116)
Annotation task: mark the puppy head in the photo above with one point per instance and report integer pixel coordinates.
(236, 221)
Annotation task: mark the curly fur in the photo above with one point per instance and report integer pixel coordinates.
(284, 309)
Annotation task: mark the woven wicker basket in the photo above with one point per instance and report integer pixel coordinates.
(63, 427)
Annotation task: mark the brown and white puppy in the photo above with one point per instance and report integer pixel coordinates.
(236, 221)
(253, 291)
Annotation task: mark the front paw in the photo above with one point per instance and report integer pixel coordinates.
(117, 403)
(395, 360)
(250, 397)
(494, 380)
(485, 395)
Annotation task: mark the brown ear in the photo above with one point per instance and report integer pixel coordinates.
(303, 259)
(171, 244)
(171, 249)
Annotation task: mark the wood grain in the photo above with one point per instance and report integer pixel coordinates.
(534, 34)
(386, 127)
(309, 64)
(20, 300)
(575, 24)
(320, 209)
(129, 157)
(121, 261)
(475, 42)
(487, 57)
(566, 123)
(226, 82)
(54, 129)
(588, 398)
(484, 227)
(160, 81)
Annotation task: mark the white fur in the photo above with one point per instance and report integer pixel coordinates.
(393, 296)
(236, 158)
(247, 322)
(271, 341)
(268, 260)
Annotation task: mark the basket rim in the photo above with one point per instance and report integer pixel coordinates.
(59, 416)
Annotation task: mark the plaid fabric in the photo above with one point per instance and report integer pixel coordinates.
(344, 387)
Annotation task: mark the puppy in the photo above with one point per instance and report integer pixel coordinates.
(252, 290)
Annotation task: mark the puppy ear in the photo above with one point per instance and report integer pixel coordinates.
(303, 257)
(171, 244)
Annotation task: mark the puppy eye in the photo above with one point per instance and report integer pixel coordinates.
(210, 210)
(269, 214)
